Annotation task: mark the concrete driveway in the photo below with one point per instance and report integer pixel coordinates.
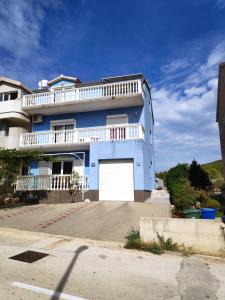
(106, 221)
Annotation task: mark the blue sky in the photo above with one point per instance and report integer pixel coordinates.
(176, 44)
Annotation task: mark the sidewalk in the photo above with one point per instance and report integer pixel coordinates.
(102, 270)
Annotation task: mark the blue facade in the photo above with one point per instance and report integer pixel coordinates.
(93, 118)
(140, 151)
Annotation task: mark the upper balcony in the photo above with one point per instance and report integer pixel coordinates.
(85, 98)
(80, 138)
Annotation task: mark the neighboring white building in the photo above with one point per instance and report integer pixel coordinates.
(13, 120)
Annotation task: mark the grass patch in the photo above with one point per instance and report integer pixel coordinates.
(134, 241)
(219, 214)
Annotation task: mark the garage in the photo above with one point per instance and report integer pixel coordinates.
(116, 180)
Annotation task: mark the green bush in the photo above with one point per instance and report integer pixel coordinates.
(175, 175)
(202, 196)
(152, 247)
(183, 195)
(167, 244)
(212, 203)
(133, 240)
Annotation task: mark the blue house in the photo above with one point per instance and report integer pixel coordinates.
(102, 130)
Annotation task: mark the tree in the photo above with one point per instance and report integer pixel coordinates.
(183, 195)
(198, 177)
(11, 161)
(162, 175)
(174, 175)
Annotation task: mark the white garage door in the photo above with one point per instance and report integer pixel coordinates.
(116, 180)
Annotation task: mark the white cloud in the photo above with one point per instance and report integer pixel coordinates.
(220, 3)
(20, 27)
(195, 91)
(186, 113)
(178, 64)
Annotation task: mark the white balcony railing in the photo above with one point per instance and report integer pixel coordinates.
(49, 183)
(82, 135)
(125, 88)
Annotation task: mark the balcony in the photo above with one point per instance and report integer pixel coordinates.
(87, 98)
(81, 138)
(12, 111)
(49, 183)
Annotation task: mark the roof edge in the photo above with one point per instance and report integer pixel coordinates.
(61, 77)
(15, 82)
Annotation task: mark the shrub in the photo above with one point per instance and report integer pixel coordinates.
(133, 240)
(167, 244)
(183, 195)
(186, 251)
(202, 196)
(212, 203)
(152, 247)
(175, 175)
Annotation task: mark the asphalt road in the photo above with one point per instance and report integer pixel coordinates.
(106, 221)
(102, 270)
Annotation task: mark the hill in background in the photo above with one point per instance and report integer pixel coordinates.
(215, 171)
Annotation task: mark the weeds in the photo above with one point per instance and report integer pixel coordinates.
(134, 241)
(167, 244)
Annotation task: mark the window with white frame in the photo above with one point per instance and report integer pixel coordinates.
(6, 96)
(66, 124)
(63, 131)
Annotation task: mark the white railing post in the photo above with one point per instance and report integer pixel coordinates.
(107, 90)
(82, 135)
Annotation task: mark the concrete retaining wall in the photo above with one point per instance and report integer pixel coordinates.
(204, 236)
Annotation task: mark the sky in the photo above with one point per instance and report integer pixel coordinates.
(177, 45)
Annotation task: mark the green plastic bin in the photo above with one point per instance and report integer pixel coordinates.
(192, 213)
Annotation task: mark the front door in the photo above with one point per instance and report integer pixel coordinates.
(61, 135)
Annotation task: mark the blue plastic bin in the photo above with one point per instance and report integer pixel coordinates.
(208, 213)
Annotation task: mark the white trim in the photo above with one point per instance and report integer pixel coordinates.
(45, 291)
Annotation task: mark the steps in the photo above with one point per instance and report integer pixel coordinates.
(159, 196)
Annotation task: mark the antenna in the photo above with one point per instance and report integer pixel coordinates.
(43, 83)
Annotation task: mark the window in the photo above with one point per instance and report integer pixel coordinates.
(117, 132)
(8, 96)
(25, 170)
(66, 124)
(62, 125)
(56, 167)
(117, 119)
(62, 167)
(13, 95)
